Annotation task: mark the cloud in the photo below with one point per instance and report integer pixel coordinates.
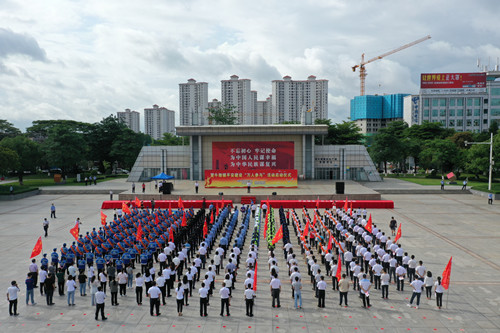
(106, 56)
(20, 44)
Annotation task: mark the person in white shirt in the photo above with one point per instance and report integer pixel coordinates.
(439, 290)
(417, 291)
(100, 296)
(224, 299)
(161, 283)
(139, 283)
(420, 271)
(179, 292)
(364, 289)
(42, 276)
(429, 283)
(321, 287)
(122, 282)
(384, 281)
(275, 287)
(103, 278)
(203, 291)
(70, 288)
(400, 276)
(248, 280)
(154, 299)
(412, 265)
(249, 296)
(162, 258)
(12, 292)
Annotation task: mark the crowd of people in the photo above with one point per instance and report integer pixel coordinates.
(164, 253)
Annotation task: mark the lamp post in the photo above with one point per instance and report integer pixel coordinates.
(491, 156)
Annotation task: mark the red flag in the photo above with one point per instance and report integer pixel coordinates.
(338, 275)
(205, 229)
(211, 218)
(171, 234)
(446, 275)
(125, 208)
(398, 234)
(103, 218)
(345, 205)
(74, 231)
(279, 235)
(255, 278)
(180, 203)
(169, 209)
(317, 203)
(137, 202)
(306, 230)
(157, 220)
(138, 236)
(330, 243)
(368, 226)
(216, 209)
(184, 220)
(38, 248)
(314, 221)
(350, 212)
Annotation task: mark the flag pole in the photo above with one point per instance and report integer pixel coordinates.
(448, 291)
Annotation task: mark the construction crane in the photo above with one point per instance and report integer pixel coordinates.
(361, 66)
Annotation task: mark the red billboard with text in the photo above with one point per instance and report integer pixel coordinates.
(445, 83)
(256, 178)
(254, 155)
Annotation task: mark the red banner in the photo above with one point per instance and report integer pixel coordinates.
(459, 82)
(253, 155)
(257, 178)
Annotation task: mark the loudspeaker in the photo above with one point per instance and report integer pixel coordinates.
(274, 193)
(221, 194)
(339, 187)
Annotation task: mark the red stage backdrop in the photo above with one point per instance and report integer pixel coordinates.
(254, 155)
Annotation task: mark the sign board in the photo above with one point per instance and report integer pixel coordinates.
(257, 178)
(452, 83)
(253, 155)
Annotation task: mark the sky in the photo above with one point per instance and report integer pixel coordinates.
(86, 59)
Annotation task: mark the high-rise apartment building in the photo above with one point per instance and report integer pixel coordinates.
(159, 120)
(290, 98)
(193, 103)
(237, 92)
(263, 112)
(130, 118)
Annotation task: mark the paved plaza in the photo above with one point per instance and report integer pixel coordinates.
(434, 227)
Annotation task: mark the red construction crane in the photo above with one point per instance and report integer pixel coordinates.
(362, 70)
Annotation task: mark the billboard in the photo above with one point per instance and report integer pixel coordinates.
(254, 155)
(450, 83)
(257, 178)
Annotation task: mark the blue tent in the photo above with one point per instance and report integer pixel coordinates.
(162, 176)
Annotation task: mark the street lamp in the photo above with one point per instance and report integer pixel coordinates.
(491, 156)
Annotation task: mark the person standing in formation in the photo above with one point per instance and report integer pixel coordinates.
(100, 296)
(12, 292)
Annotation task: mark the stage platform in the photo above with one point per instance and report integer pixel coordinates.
(306, 190)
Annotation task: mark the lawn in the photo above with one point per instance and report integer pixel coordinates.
(33, 182)
(477, 185)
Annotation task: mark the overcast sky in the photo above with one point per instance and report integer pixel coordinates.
(84, 60)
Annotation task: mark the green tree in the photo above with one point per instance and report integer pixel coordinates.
(493, 127)
(386, 148)
(442, 155)
(101, 138)
(28, 151)
(39, 131)
(65, 148)
(126, 148)
(9, 160)
(459, 139)
(429, 131)
(7, 130)
(170, 139)
(478, 159)
(345, 133)
(222, 115)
